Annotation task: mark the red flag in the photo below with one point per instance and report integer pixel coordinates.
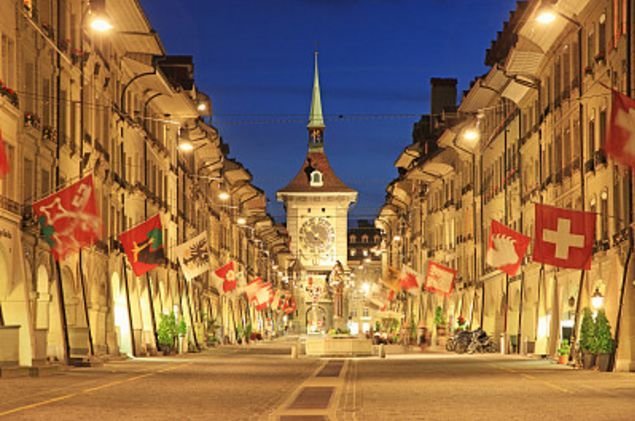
(143, 245)
(506, 248)
(289, 305)
(4, 159)
(440, 278)
(620, 140)
(69, 219)
(227, 273)
(259, 292)
(564, 237)
(409, 280)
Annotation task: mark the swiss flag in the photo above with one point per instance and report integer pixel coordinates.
(620, 140)
(410, 280)
(440, 278)
(506, 248)
(564, 237)
(227, 274)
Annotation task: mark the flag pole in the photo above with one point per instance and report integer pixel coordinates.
(189, 306)
(629, 72)
(152, 311)
(125, 275)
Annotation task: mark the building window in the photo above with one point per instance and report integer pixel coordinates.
(353, 252)
(352, 238)
(602, 128)
(364, 238)
(604, 214)
(316, 179)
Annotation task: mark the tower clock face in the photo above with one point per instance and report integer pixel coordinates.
(317, 235)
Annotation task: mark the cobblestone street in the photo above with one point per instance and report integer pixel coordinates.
(263, 382)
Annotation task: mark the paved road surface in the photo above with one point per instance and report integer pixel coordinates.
(263, 383)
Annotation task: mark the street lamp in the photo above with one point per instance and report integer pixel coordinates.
(546, 16)
(597, 300)
(100, 23)
(241, 220)
(186, 146)
(223, 195)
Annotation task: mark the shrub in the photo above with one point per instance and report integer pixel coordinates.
(439, 319)
(565, 348)
(587, 331)
(167, 331)
(604, 343)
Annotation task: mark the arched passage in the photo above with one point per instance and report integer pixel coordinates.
(122, 319)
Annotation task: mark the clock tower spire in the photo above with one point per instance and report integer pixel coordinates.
(316, 118)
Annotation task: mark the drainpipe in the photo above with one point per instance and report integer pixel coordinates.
(145, 212)
(82, 128)
(58, 122)
(631, 240)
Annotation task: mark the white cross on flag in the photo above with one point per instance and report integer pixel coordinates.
(564, 237)
(440, 278)
(620, 140)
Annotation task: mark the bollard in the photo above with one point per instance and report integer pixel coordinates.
(382, 351)
(294, 351)
(503, 344)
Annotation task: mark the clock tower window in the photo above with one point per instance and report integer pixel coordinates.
(316, 179)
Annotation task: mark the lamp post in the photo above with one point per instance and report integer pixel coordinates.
(597, 300)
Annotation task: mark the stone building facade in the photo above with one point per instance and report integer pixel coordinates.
(531, 130)
(114, 104)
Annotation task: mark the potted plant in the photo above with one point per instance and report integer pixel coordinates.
(167, 333)
(439, 321)
(182, 333)
(604, 344)
(239, 335)
(587, 337)
(247, 333)
(564, 351)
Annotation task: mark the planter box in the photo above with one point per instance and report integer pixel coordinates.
(9, 345)
(604, 361)
(588, 360)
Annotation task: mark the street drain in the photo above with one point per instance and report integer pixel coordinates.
(313, 398)
(331, 369)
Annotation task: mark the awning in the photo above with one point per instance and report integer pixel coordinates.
(409, 155)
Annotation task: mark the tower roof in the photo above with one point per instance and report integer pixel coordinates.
(316, 174)
(316, 118)
(316, 161)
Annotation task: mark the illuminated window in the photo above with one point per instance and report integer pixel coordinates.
(316, 179)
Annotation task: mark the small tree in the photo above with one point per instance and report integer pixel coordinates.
(182, 328)
(439, 320)
(604, 343)
(587, 331)
(167, 331)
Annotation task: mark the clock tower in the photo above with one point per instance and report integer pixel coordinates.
(317, 203)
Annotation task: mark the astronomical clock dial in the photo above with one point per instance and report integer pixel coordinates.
(317, 235)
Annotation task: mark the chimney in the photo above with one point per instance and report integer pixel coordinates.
(442, 94)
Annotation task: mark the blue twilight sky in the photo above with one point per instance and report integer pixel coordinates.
(255, 59)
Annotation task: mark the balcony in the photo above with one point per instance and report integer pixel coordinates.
(599, 157)
(10, 205)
